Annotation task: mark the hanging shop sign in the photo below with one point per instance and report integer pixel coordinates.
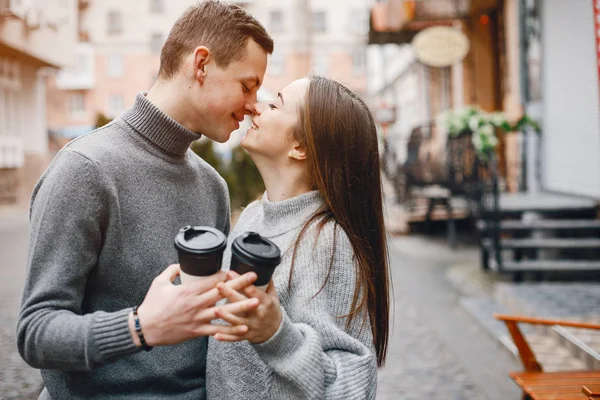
(440, 46)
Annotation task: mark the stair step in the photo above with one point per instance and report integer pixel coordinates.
(545, 224)
(547, 243)
(546, 265)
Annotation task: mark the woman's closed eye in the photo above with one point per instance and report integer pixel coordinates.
(272, 106)
(245, 88)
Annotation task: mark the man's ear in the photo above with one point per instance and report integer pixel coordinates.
(297, 153)
(201, 57)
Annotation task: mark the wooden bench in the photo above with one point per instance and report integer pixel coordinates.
(540, 385)
(591, 394)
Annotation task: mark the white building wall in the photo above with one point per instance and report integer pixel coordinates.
(571, 105)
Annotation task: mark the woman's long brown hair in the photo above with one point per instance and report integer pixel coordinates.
(340, 137)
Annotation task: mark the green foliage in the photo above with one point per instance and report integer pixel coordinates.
(101, 120)
(248, 182)
(243, 179)
(483, 126)
(204, 149)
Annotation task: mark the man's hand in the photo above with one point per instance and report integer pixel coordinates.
(172, 314)
(261, 322)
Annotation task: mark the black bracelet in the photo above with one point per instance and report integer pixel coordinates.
(138, 330)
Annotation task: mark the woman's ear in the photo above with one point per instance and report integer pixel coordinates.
(201, 57)
(297, 153)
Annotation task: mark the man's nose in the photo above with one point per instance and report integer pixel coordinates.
(249, 106)
(258, 108)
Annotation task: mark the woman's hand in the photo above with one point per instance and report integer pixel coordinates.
(262, 321)
(172, 314)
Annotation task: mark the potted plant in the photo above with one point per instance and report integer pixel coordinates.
(483, 127)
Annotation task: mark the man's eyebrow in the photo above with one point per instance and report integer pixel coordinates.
(281, 97)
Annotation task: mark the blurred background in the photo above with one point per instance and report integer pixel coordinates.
(489, 119)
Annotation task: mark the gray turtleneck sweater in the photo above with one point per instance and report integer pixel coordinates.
(103, 219)
(312, 355)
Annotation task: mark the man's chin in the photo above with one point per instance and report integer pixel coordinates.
(218, 137)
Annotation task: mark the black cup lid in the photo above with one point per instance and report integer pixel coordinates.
(200, 239)
(255, 250)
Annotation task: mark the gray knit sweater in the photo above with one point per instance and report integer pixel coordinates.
(312, 355)
(103, 219)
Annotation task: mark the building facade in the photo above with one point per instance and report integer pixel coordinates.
(118, 54)
(526, 56)
(488, 77)
(36, 37)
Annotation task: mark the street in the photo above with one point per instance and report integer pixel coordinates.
(436, 350)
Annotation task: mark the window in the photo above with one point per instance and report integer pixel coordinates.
(115, 105)
(10, 90)
(77, 104)
(320, 64)
(115, 66)
(531, 31)
(358, 21)
(157, 6)
(319, 22)
(359, 61)
(276, 63)
(115, 23)
(276, 21)
(156, 42)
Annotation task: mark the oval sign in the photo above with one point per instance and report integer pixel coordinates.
(440, 46)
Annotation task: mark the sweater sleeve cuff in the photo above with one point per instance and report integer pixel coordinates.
(111, 335)
(283, 344)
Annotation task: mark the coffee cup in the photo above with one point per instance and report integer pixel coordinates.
(252, 252)
(200, 251)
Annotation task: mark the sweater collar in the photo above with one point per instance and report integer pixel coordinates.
(156, 126)
(283, 216)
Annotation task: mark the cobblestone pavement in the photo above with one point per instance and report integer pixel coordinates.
(17, 380)
(420, 366)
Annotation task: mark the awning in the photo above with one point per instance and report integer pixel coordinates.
(398, 21)
(11, 52)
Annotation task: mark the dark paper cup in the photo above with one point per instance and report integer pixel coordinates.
(252, 252)
(200, 250)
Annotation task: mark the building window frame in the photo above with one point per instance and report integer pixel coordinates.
(276, 64)
(319, 21)
(114, 23)
(157, 6)
(157, 40)
(358, 21)
(115, 105)
(531, 31)
(359, 61)
(320, 63)
(77, 104)
(276, 21)
(114, 65)
(10, 109)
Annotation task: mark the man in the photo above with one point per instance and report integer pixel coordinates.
(105, 213)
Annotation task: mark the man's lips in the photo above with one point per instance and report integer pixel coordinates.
(237, 119)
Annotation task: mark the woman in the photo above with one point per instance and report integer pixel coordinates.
(321, 329)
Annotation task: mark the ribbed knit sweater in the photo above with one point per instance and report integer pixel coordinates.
(312, 355)
(103, 219)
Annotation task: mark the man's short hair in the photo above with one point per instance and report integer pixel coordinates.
(221, 27)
